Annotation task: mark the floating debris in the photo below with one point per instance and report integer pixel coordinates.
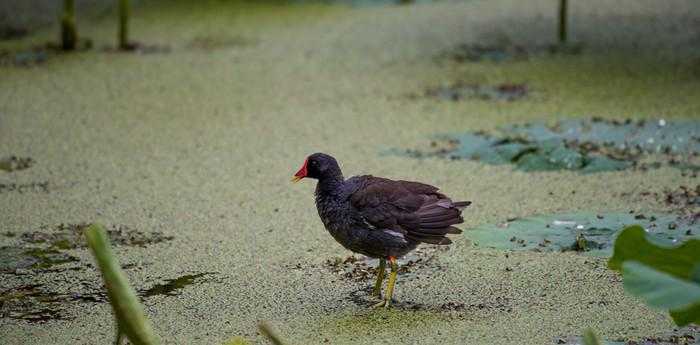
(593, 234)
(139, 48)
(363, 269)
(171, 287)
(14, 163)
(32, 303)
(209, 43)
(498, 53)
(29, 58)
(587, 146)
(70, 236)
(683, 197)
(367, 3)
(37, 303)
(48, 247)
(22, 188)
(460, 90)
(683, 201)
(677, 336)
(19, 260)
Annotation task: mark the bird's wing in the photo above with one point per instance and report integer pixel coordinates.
(416, 210)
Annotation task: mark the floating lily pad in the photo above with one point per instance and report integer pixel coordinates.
(659, 136)
(587, 146)
(584, 232)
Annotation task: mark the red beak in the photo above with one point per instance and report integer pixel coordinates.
(301, 173)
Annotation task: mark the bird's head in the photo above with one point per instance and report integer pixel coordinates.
(318, 166)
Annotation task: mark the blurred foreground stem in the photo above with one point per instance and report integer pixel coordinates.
(131, 321)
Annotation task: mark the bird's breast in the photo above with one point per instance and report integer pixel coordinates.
(335, 214)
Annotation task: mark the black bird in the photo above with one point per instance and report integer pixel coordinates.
(378, 217)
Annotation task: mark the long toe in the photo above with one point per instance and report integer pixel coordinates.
(383, 303)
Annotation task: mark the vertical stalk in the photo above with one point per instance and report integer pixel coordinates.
(123, 24)
(69, 33)
(562, 21)
(131, 321)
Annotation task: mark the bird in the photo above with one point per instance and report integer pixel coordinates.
(379, 217)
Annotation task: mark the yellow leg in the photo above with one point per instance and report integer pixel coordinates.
(390, 285)
(380, 278)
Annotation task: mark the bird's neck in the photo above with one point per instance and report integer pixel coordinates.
(329, 184)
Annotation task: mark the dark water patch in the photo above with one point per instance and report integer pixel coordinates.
(39, 54)
(41, 303)
(172, 287)
(593, 234)
(366, 3)
(37, 256)
(21, 188)
(33, 303)
(71, 236)
(677, 336)
(505, 52)
(460, 90)
(11, 32)
(49, 246)
(22, 260)
(586, 146)
(217, 42)
(139, 48)
(14, 163)
(24, 58)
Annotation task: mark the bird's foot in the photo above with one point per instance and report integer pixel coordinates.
(384, 303)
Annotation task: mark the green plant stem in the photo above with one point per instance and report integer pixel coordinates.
(562, 21)
(123, 24)
(69, 33)
(128, 312)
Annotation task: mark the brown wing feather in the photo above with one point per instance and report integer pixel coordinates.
(415, 209)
